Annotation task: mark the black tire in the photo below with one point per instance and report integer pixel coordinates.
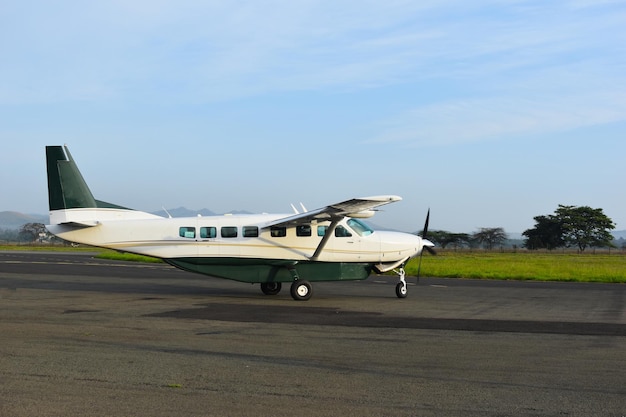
(401, 290)
(271, 288)
(301, 290)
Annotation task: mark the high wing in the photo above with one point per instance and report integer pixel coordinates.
(356, 207)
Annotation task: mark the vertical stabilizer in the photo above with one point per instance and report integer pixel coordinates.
(67, 188)
(69, 197)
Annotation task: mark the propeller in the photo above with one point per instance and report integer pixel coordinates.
(428, 248)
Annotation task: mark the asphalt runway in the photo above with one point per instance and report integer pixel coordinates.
(82, 336)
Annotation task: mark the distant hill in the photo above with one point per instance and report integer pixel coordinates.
(616, 234)
(15, 220)
(185, 212)
(620, 234)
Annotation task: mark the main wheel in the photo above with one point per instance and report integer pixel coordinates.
(401, 290)
(301, 290)
(271, 288)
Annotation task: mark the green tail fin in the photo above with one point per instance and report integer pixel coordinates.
(67, 188)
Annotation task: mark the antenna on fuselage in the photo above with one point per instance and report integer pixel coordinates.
(167, 212)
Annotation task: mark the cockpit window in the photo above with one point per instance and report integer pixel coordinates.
(359, 227)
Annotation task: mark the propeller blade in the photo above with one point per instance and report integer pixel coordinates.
(419, 268)
(428, 248)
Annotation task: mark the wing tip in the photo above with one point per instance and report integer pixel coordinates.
(383, 198)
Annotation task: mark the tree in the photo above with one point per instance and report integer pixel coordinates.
(30, 232)
(585, 226)
(490, 237)
(570, 226)
(547, 233)
(442, 238)
(8, 235)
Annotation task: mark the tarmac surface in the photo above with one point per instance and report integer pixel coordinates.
(83, 336)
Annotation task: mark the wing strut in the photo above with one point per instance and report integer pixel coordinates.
(327, 235)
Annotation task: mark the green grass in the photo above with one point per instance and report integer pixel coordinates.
(120, 256)
(49, 248)
(523, 266)
(102, 253)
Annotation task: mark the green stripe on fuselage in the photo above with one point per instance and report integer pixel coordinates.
(267, 270)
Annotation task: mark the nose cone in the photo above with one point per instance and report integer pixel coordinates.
(427, 243)
(401, 245)
(424, 244)
(418, 244)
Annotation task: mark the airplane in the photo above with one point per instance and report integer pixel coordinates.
(327, 244)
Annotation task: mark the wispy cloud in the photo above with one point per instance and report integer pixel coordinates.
(464, 121)
(534, 71)
(199, 51)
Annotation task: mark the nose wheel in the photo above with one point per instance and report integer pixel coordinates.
(401, 288)
(301, 290)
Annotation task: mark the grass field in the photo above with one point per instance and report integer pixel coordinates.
(110, 254)
(101, 253)
(522, 265)
(49, 248)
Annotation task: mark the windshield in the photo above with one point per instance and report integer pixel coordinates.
(359, 227)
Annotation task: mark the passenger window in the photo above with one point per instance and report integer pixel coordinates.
(278, 231)
(304, 230)
(229, 231)
(341, 231)
(187, 232)
(250, 231)
(321, 230)
(208, 232)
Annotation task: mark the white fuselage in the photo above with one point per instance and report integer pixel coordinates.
(235, 236)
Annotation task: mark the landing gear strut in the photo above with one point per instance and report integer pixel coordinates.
(401, 289)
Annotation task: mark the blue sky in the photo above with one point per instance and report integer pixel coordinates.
(488, 112)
